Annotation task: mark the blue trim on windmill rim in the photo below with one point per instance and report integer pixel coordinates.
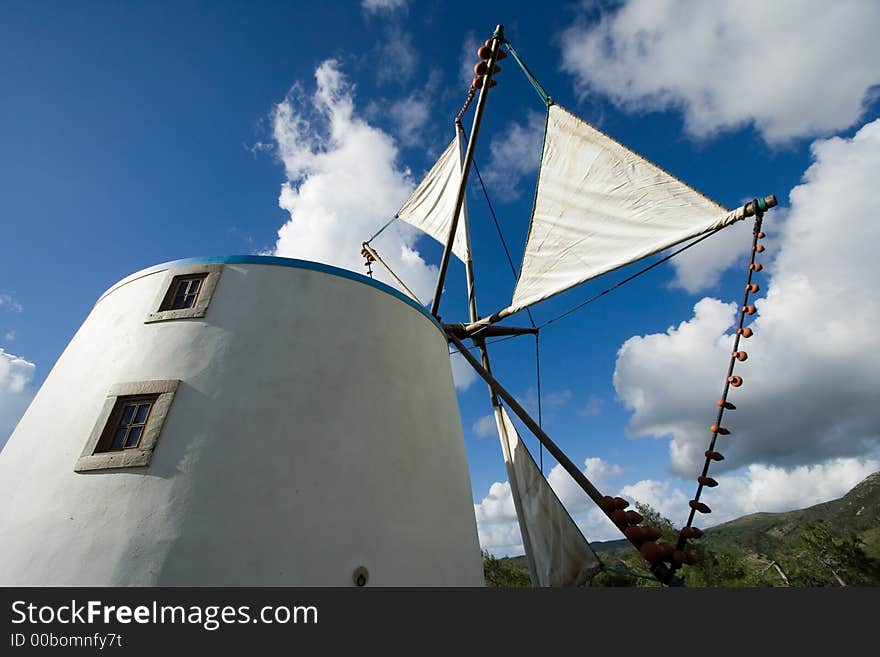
(277, 262)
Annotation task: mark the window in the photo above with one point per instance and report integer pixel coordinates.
(128, 425)
(127, 422)
(184, 292)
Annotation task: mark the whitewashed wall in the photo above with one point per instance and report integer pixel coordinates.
(315, 430)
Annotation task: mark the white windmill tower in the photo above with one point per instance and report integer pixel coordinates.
(243, 421)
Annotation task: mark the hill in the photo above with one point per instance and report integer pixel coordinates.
(857, 512)
(758, 548)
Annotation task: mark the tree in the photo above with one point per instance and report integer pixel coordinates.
(822, 558)
(504, 573)
(653, 518)
(718, 568)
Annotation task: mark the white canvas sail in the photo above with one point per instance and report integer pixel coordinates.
(557, 552)
(432, 204)
(600, 206)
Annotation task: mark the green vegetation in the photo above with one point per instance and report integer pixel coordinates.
(505, 572)
(821, 558)
(715, 568)
(836, 543)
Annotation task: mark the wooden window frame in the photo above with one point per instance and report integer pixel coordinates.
(171, 295)
(97, 456)
(105, 444)
(161, 310)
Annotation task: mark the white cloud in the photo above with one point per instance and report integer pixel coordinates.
(394, 61)
(410, 115)
(593, 406)
(760, 488)
(8, 302)
(694, 353)
(669, 502)
(375, 6)
(343, 184)
(596, 526)
(16, 374)
(462, 373)
(557, 399)
(700, 268)
(468, 59)
(772, 489)
(792, 67)
(515, 153)
(496, 522)
(549, 400)
(498, 504)
(485, 426)
(599, 472)
(496, 515)
(814, 367)
(9, 336)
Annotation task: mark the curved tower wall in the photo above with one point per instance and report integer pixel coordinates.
(314, 431)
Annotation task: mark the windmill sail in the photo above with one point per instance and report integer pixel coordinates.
(557, 552)
(432, 204)
(600, 206)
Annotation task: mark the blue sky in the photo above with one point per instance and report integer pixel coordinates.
(138, 133)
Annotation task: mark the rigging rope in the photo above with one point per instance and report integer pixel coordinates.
(452, 352)
(500, 234)
(495, 219)
(379, 232)
(532, 79)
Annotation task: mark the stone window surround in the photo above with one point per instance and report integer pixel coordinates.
(201, 305)
(136, 456)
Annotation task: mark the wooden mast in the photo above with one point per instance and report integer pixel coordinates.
(497, 40)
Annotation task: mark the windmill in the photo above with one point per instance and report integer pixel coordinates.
(262, 421)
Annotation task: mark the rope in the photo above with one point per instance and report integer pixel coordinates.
(379, 232)
(532, 79)
(626, 280)
(494, 218)
(500, 234)
(488, 342)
